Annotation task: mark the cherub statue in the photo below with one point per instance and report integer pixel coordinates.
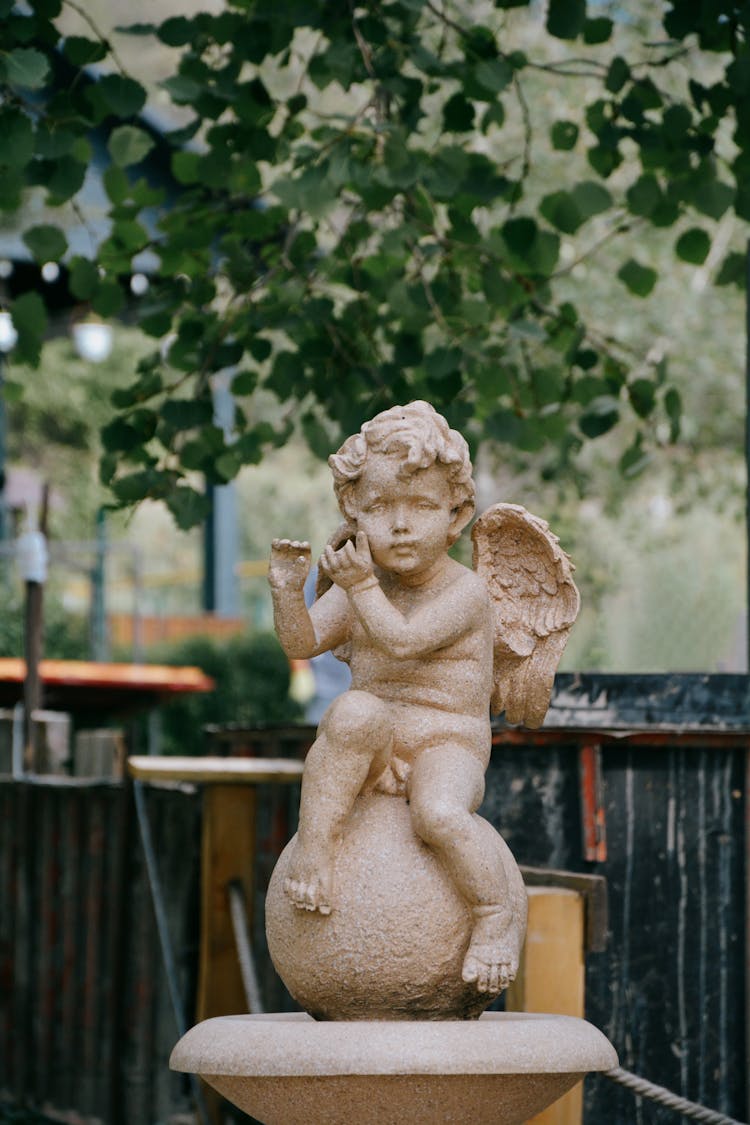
(429, 643)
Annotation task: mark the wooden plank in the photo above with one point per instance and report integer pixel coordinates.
(71, 891)
(227, 854)
(239, 771)
(552, 976)
(8, 875)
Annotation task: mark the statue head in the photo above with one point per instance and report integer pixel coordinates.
(419, 437)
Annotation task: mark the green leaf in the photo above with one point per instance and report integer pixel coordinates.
(82, 52)
(128, 145)
(176, 32)
(116, 185)
(260, 348)
(566, 18)
(47, 9)
(597, 30)
(500, 290)
(443, 362)
(493, 75)
(187, 506)
(591, 198)
(46, 242)
(17, 134)
(639, 279)
(617, 75)
(601, 416)
(181, 89)
(673, 407)
(604, 159)
(30, 321)
(123, 435)
(560, 209)
(27, 68)
(136, 28)
(642, 395)
(564, 135)
(108, 299)
(733, 270)
(124, 97)
(244, 383)
(12, 392)
(11, 185)
(644, 195)
(711, 197)
(186, 167)
(635, 459)
(693, 246)
(187, 413)
(62, 178)
(458, 114)
(568, 210)
(317, 436)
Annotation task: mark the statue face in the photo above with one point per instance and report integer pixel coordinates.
(408, 519)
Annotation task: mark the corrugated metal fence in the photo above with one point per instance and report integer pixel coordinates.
(85, 1022)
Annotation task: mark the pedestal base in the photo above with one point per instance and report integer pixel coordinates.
(291, 1070)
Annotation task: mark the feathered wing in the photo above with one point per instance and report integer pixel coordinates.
(530, 580)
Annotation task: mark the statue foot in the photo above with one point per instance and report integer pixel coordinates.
(492, 957)
(309, 884)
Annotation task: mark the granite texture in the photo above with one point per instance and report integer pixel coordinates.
(501, 1068)
(430, 644)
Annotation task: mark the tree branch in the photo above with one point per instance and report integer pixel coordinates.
(88, 19)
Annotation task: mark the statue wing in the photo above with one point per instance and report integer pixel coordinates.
(529, 578)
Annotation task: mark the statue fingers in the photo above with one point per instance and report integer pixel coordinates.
(363, 547)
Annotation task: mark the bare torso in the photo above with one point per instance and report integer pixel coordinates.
(455, 677)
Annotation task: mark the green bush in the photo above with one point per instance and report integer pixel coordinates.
(252, 686)
(65, 634)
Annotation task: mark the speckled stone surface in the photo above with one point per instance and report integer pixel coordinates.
(394, 945)
(289, 1069)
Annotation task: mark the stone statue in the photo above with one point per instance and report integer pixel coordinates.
(395, 903)
(430, 643)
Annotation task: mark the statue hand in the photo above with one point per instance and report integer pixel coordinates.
(289, 564)
(351, 564)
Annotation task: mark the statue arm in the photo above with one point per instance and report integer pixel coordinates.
(450, 616)
(303, 633)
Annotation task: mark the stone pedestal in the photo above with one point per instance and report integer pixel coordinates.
(500, 1069)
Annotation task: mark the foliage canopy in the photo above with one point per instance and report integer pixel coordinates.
(360, 219)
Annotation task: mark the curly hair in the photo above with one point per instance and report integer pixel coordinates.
(421, 436)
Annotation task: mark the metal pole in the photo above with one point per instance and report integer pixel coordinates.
(747, 458)
(747, 665)
(3, 433)
(98, 599)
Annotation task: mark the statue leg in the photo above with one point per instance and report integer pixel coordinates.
(353, 746)
(447, 786)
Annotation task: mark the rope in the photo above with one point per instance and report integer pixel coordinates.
(641, 1087)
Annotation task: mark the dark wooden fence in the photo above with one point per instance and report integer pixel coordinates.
(640, 779)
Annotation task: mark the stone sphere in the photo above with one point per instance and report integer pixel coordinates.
(393, 945)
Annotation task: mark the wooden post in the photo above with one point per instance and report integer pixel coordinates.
(34, 563)
(551, 976)
(32, 691)
(228, 854)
